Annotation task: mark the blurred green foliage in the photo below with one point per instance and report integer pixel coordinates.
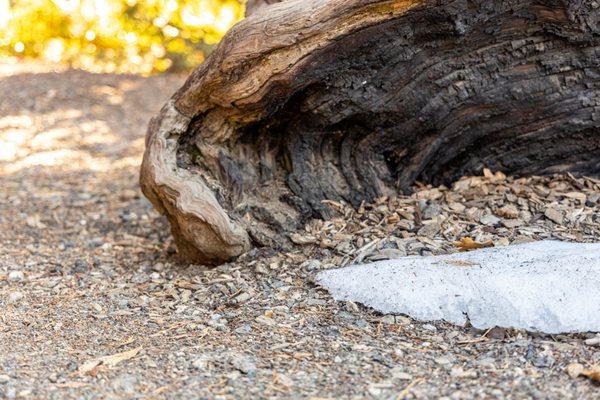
(141, 36)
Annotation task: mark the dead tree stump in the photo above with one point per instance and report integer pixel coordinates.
(308, 100)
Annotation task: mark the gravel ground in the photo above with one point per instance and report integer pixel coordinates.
(93, 303)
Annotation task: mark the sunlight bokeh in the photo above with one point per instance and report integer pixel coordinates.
(141, 36)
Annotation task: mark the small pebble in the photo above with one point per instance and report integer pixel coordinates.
(16, 276)
(200, 363)
(543, 361)
(403, 376)
(458, 372)
(497, 333)
(80, 266)
(374, 391)
(316, 302)
(242, 297)
(95, 242)
(10, 393)
(443, 360)
(595, 341)
(402, 320)
(311, 265)
(243, 330)
(432, 210)
(489, 219)
(155, 276)
(158, 267)
(243, 364)
(15, 297)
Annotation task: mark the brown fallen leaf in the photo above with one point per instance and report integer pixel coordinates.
(576, 370)
(593, 374)
(109, 361)
(467, 243)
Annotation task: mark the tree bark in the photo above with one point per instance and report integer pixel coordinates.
(350, 100)
(253, 6)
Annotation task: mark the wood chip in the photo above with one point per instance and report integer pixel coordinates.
(554, 215)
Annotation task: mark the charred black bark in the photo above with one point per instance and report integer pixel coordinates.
(437, 90)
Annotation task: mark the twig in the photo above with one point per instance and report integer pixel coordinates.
(406, 390)
(483, 338)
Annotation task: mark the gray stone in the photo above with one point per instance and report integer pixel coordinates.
(15, 276)
(80, 266)
(595, 341)
(243, 364)
(201, 363)
(432, 210)
(490, 220)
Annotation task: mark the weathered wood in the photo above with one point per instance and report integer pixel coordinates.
(253, 6)
(354, 99)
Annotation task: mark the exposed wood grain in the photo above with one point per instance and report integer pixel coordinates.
(351, 100)
(253, 6)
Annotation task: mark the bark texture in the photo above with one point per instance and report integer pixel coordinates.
(309, 100)
(253, 6)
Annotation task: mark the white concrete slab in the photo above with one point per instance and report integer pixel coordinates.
(546, 286)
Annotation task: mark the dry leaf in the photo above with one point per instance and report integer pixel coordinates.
(593, 374)
(467, 243)
(109, 361)
(575, 370)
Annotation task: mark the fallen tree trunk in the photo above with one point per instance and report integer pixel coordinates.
(308, 100)
(253, 6)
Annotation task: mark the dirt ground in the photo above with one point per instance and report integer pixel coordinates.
(93, 304)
